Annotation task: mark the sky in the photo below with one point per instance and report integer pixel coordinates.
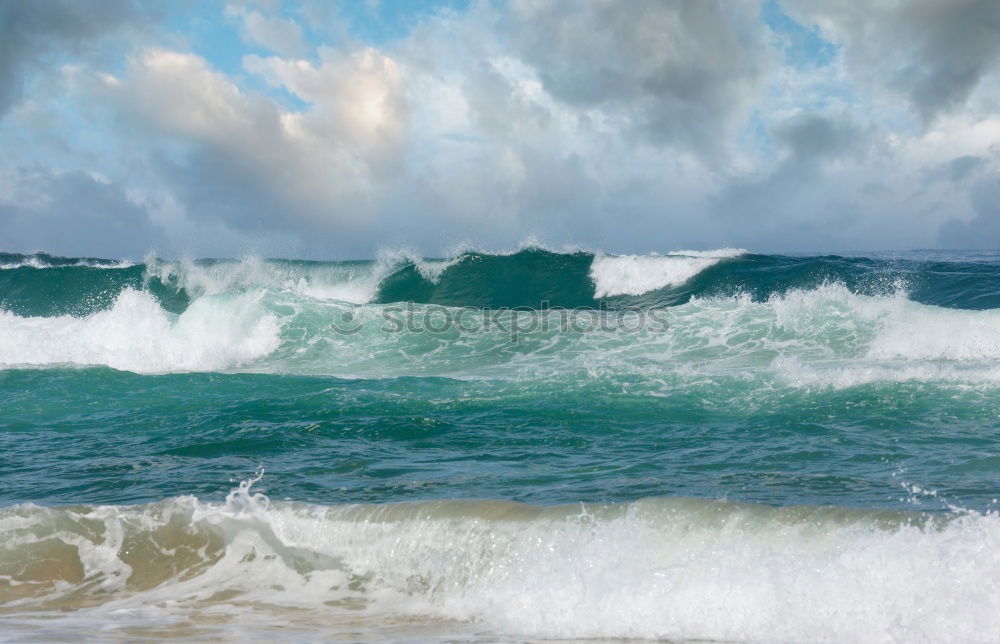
(331, 130)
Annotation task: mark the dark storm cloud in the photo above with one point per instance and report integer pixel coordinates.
(813, 138)
(32, 32)
(674, 72)
(781, 209)
(957, 42)
(932, 52)
(810, 142)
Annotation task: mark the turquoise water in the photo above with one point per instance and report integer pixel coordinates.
(710, 445)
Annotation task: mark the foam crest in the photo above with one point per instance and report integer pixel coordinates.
(136, 334)
(354, 282)
(390, 260)
(661, 568)
(34, 261)
(351, 282)
(718, 253)
(637, 274)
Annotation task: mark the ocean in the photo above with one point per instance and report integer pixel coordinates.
(692, 446)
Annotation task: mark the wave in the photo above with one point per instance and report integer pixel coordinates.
(136, 334)
(531, 278)
(10, 261)
(355, 282)
(669, 568)
(825, 336)
(686, 315)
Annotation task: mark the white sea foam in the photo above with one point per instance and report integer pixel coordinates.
(718, 253)
(844, 375)
(676, 569)
(842, 339)
(136, 334)
(637, 274)
(36, 262)
(900, 328)
(913, 331)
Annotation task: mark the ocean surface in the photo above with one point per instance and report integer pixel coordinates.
(695, 445)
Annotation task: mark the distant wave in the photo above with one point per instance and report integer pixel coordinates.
(10, 261)
(527, 278)
(669, 568)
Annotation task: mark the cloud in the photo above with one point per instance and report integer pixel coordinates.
(983, 230)
(357, 99)
(933, 54)
(245, 159)
(630, 128)
(814, 138)
(681, 73)
(33, 33)
(961, 168)
(810, 198)
(72, 214)
(280, 35)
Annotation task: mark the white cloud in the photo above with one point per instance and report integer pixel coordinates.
(253, 161)
(280, 35)
(356, 99)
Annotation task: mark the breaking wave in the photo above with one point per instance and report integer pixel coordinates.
(669, 568)
(722, 312)
(804, 337)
